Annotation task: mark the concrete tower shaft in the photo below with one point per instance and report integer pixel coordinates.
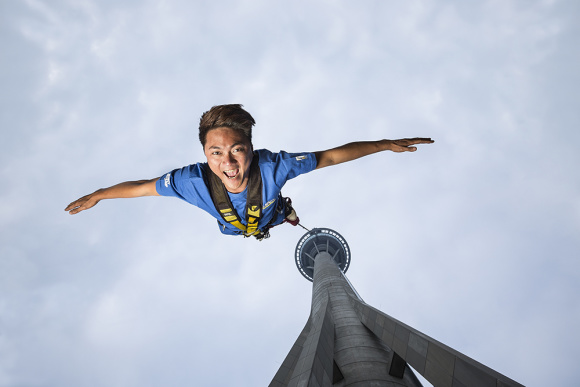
(359, 355)
(347, 342)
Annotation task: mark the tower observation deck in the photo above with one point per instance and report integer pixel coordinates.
(347, 342)
(317, 241)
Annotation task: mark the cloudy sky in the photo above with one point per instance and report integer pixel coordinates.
(473, 240)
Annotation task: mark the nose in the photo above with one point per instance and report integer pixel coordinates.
(229, 158)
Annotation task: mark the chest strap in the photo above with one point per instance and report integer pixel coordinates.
(223, 204)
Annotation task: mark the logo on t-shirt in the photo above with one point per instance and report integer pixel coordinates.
(167, 180)
(268, 204)
(298, 158)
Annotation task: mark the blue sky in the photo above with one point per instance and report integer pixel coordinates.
(473, 240)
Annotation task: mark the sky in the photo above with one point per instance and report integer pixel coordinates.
(472, 240)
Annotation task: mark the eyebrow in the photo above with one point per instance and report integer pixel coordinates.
(233, 145)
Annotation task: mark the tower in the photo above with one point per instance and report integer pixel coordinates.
(347, 342)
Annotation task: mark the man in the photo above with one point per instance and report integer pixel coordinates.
(238, 186)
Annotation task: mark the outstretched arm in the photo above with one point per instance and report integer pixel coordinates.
(128, 189)
(354, 150)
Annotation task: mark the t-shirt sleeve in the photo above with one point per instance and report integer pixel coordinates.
(298, 163)
(180, 183)
(286, 166)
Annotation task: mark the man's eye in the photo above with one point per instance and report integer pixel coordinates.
(215, 153)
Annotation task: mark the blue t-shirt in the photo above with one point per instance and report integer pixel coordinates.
(188, 183)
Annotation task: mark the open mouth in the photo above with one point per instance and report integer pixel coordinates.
(232, 173)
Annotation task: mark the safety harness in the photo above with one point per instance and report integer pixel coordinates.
(222, 202)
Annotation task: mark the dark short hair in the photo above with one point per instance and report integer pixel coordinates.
(230, 116)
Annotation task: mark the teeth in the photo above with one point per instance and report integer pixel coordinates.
(230, 174)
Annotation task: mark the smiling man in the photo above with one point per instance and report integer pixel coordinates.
(240, 186)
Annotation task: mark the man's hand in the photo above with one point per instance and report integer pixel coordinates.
(128, 189)
(405, 144)
(84, 203)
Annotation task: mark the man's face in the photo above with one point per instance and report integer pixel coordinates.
(229, 156)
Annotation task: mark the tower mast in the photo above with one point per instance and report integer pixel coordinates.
(346, 342)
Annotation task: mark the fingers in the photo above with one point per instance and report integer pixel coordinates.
(401, 148)
(74, 211)
(79, 205)
(72, 205)
(405, 144)
(413, 141)
(77, 208)
(73, 208)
